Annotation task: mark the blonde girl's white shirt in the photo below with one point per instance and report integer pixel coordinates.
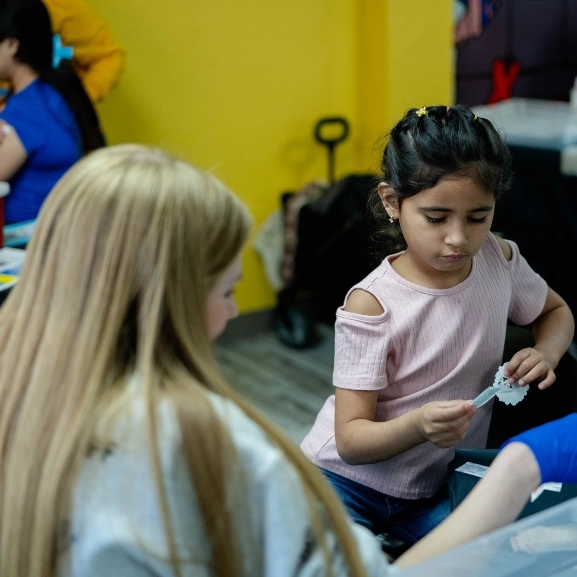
(117, 529)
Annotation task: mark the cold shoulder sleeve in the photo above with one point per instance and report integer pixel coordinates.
(362, 345)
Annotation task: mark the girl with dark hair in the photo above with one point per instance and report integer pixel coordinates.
(424, 332)
(50, 120)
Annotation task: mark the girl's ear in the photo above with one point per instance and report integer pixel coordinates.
(389, 199)
(12, 44)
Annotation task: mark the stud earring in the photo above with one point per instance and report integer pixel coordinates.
(391, 219)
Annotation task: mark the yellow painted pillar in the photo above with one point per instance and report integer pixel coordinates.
(405, 60)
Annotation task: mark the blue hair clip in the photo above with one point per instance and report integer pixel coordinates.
(59, 51)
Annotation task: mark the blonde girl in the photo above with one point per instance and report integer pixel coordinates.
(123, 452)
(108, 388)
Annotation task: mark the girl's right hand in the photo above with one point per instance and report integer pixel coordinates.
(445, 423)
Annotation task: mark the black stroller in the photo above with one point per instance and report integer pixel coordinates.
(332, 250)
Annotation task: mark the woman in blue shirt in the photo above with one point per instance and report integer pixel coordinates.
(51, 120)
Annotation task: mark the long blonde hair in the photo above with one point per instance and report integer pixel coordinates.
(116, 280)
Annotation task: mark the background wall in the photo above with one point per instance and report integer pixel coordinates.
(539, 35)
(236, 88)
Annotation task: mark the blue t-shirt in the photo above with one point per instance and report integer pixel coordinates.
(48, 130)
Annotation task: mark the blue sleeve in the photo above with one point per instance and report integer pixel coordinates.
(32, 134)
(28, 119)
(554, 445)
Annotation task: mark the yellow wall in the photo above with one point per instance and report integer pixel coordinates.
(406, 59)
(237, 87)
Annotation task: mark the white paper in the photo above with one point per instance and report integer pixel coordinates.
(480, 471)
(473, 469)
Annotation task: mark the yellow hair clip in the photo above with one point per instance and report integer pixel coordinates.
(422, 111)
(474, 118)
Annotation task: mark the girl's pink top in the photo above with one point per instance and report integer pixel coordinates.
(428, 345)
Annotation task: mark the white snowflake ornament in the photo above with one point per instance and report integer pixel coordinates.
(510, 394)
(507, 393)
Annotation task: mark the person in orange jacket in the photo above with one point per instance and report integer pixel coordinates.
(98, 58)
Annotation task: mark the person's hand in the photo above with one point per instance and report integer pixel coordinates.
(555, 448)
(445, 423)
(530, 364)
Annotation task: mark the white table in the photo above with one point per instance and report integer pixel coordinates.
(533, 123)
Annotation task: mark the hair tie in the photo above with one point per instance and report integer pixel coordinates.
(59, 51)
(422, 111)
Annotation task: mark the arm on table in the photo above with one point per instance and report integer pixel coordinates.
(539, 455)
(494, 501)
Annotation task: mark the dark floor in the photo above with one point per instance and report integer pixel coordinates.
(288, 385)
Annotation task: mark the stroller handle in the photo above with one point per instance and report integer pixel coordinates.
(334, 121)
(331, 142)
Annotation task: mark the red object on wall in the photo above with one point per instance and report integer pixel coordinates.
(504, 76)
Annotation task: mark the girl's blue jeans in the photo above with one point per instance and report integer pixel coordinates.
(406, 519)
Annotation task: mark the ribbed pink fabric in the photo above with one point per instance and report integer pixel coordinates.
(428, 345)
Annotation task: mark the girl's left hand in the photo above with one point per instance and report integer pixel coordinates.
(530, 364)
